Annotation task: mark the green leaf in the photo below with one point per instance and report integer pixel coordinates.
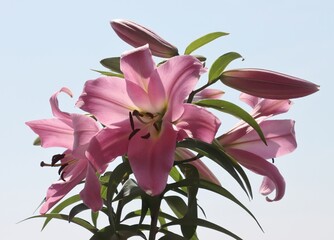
(111, 74)
(223, 192)
(37, 142)
(76, 210)
(112, 63)
(220, 64)
(61, 206)
(202, 41)
(129, 191)
(231, 108)
(216, 154)
(79, 221)
(177, 205)
(94, 216)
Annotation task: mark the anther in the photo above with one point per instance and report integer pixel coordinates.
(137, 113)
(146, 136)
(134, 133)
(56, 158)
(150, 115)
(131, 121)
(273, 160)
(62, 177)
(62, 168)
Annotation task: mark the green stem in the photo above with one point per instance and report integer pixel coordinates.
(192, 94)
(154, 208)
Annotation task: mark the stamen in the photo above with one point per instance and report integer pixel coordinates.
(136, 113)
(62, 177)
(57, 158)
(134, 133)
(149, 114)
(155, 125)
(131, 122)
(273, 160)
(43, 164)
(62, 168)
(146, 136)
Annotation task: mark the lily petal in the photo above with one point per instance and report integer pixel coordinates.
(108, 144)
(197, 122)
(279, 134)
(53, 132)
(107, 99)
(55, 105)
(91, 195)
(60, 188)
(262, 167)
(151, 166)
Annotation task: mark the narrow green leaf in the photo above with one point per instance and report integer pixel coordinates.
(234, 110)
(61, 206)
(220, 64)
(177, 205)
(223, 192)
(76, 210)
(202, 41)
(94, 217)
(110, 74)
(129, 191)
(79, 221)
(216, 154)
(112, 63)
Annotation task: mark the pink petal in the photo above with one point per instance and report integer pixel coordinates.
(84, 128)
(108, 144)
(197, 122)
(249, 99)
(270, 107)
(262, 167)
(137, 66)
(55, 106)
(208, 93)
(106, 98)
(60, 188)
(91, 194)
(179, 76)
(279, 134)
(267, 186)
(53, 132)
(152, 159)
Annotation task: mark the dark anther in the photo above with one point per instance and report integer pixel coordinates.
(150, 115)
(137, 113)
(146, 136)
(131, 122)
(62, 177)
(273, 160)
(56, 158)
(134, 133)
(62, 168)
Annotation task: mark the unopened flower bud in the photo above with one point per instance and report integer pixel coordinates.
(137, 35)
(268, 84)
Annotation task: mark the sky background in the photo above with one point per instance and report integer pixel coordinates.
(45, 45)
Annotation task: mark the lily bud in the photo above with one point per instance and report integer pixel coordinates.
(137, 36)
(268, 84)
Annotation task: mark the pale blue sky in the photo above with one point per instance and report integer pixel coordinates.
(45, 45)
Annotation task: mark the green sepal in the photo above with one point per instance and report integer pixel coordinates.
(37, 142)
(94, 217)
(220, 64)
(234, 110)
(203, 41)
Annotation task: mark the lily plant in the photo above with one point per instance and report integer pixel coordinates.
(161, 128)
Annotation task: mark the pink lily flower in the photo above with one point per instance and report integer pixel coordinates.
(245, 146)
(145, 115)
(73, 132)
(268, 84)
(204, 172)
(137, 35)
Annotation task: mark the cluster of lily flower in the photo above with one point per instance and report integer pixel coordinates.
(151, 115)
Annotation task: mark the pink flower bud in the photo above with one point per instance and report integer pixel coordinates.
(137, 36)
(268, 84)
